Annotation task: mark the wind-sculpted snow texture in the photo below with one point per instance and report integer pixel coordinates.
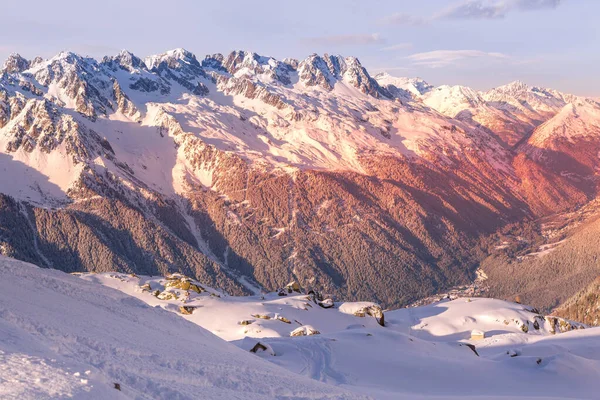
(245, 171)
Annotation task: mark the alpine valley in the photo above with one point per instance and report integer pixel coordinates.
(246, 172)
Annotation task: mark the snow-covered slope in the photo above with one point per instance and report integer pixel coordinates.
(403, 87)
(63, 337)
(231, 317)
(511, 111)
(451, 100)
(569, 143)
(574, 121)
(530, 99)
(420, 352)
(525, 107)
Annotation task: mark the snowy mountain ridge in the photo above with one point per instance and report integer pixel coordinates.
(269, 104)
(264, 116)
(248, 171)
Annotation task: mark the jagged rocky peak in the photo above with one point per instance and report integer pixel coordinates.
(174, 59)
(421, 85)
(326, 70)
(336, 64)
(541, 100)
(359, 77)
(180, 66)
(214, 62)
(124, 104)
(4, 107)
(124, 60)
(514, 88)
(65, 63)
(78, 78)
(242, 64)
(37, 60)
(314, 71)
(520, 90)
(68, 57)
(39, 124)
(239, 59)
(292, 62)
(235, 61)
(15, 63)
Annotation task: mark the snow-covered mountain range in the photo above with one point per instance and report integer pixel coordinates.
(248, 172)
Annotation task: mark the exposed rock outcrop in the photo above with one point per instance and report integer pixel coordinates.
(305, 330)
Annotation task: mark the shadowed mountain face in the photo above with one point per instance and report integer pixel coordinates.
(248, 172)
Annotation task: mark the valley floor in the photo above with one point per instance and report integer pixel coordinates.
(76, 336)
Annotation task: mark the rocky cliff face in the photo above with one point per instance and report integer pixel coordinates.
(327, 70)
(15, 63)
(250, 172)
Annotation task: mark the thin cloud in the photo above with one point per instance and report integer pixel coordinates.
(445, 58)
(474, 10)
(485, 9)
(537, 4)
(346, 40)
(404, 19)
(399, 46)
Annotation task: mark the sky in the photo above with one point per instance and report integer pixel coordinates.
(478, 43)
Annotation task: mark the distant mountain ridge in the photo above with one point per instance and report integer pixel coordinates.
(248, 172)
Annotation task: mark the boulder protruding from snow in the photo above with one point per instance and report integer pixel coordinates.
(362, 309)
(561, 325)
(306, 330)
(317, 298)
(186, 310)
(146, 287)
(179, 281)
(262, 347)
(293, 287)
